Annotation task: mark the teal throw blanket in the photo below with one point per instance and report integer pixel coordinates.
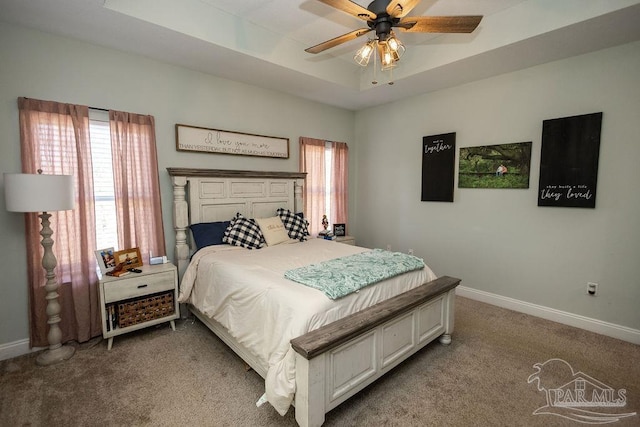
(341, 276)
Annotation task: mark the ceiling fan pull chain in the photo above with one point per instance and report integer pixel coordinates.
(375, 68)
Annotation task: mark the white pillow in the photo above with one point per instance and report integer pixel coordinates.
(273, 230)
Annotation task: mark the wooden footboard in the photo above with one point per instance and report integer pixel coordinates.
(338, 360)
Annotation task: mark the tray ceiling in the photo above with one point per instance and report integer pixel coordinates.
(262, 42)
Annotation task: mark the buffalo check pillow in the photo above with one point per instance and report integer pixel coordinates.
(297, 227)
(244, 232)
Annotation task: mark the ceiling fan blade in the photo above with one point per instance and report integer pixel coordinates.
(338, 40)
(351, 8)
(439, 24)
(400, 8)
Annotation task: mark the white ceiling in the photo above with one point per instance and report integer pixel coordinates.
(262, 42)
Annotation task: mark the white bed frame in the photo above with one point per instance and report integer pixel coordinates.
(338, 360)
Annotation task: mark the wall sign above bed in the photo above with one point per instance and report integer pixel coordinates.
(193, 138)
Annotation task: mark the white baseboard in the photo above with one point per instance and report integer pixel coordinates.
(605, 328)
(18, 348)
(15, 349)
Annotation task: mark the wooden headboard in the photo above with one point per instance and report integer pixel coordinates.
(208, 195)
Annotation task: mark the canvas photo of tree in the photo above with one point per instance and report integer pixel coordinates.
(495, 166)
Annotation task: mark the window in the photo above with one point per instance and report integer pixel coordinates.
(103, 187)
(328, 194)
(326, 165)
(112, 157)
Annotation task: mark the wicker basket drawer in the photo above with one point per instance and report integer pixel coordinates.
(134, 286)
(144, 309)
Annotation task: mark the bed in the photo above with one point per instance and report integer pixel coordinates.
(317, 362)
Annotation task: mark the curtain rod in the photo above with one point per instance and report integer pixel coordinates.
(106, 110)
(93, 108)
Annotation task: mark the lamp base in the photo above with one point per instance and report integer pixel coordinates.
(57, 355)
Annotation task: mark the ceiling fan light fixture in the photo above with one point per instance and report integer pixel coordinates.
(395, 45)
(387, 60)
(363, 54)
(388, 57)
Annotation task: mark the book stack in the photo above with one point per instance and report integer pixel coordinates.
(327, 235)
(112, 317)
(118, 273)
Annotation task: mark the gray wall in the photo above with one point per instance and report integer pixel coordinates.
(41, 66)
(499, 241)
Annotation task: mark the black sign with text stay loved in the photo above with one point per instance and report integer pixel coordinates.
(569, 161)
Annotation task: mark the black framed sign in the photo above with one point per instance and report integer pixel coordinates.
(569, 161)
(339, 230)
(438, 167)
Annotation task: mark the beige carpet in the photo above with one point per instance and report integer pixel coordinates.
(189, 377)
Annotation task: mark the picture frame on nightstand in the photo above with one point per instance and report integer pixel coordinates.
(106, 259)
(339, 230)
(129, 258)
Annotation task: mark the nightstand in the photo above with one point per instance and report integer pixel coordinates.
(348, 240)
(139, 300)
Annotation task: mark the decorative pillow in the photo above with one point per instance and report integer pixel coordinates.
(208, 233)
(273, 230)
(297, 227)
(244, 232)
(231, 222)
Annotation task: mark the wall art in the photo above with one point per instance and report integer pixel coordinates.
(495, 166)
(193, 138)
(438, 167)
(569, 161)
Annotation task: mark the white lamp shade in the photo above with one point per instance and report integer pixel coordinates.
(25, 192)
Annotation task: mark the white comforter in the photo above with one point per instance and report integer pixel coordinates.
(246, 292)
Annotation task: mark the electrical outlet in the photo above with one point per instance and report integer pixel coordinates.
(410, 251)
(388, 247)
(592, 288)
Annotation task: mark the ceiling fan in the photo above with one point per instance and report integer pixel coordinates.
(382, 16)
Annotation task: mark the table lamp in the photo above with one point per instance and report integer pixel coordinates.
(44, 193)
